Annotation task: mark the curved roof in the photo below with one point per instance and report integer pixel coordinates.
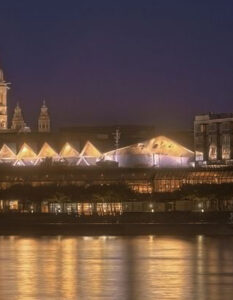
(158, 145)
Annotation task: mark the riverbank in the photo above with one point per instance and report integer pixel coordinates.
(144, 224)
(116, 229)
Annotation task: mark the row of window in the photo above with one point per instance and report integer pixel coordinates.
(172, 185)
(213, 127)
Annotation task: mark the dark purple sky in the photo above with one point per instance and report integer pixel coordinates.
(106, 62)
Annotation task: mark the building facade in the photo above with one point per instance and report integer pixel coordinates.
(18, 123)
(4, 86)
(213, 139)
(44, 119)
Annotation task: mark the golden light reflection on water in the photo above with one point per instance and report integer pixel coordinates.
(150, 267)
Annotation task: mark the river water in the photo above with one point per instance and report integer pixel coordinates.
(147, 267)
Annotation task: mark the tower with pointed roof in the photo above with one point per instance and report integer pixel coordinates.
(44, 119)
(17, 120)
(3, 102)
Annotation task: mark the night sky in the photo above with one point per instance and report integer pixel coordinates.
(118, 62)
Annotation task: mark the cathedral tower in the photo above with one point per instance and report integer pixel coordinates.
(17, 120)
(3, 102)
(44, 119)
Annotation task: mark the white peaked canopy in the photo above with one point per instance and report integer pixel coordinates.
(160, 151)
(47, 151)
(26, 152)
(68, 151)
(19, 163)
(88, 155)
(90, 150)
(26, 156)
(159, 145)
(7, 152)
(165, 146)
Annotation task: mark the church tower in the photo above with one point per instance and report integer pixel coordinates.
(17, 120)
(3, 102)
(44, 119)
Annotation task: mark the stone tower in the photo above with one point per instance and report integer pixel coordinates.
(3, 102)
(17, 120)
(44, 119)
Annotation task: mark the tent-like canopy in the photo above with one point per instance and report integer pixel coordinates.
(69, 155)
(7, 153)
(165, 146)
(90, 150)
(89, 155)
(158, 151)
(26, 152)
(69, 151)
(26, 156)
(47, 151)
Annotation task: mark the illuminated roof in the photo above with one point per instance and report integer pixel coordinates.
(69, 151)
(165, 146)
(7, 153)
(47, 151)
(158, 145)
(26, 152)
(90, 150)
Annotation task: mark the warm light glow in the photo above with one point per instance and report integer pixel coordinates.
(26, 152)
(69, 151)
(47, 151)
(7, 153)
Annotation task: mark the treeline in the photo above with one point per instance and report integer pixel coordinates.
(198, 191)
(113, 193)
(71, 193)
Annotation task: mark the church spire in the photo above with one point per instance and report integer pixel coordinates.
(17, 120)
(3, 101)
(44, 119)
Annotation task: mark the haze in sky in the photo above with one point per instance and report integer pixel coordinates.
(107, 62)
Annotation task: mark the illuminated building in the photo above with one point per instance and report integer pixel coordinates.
(44, 119)
(26, 156)
(213, 139)
(89, 155)
(4, 86)
(7, 154)
(156, 152)
(68, 154)
(159, 152)
(140, 180)
(46, 152)
(18, 123)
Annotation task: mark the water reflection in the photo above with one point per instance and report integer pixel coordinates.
(151, 267)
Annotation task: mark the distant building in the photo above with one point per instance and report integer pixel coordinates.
(3, 102)
(156, 152)
(18, 123)
(44, 119)
(213, 138)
